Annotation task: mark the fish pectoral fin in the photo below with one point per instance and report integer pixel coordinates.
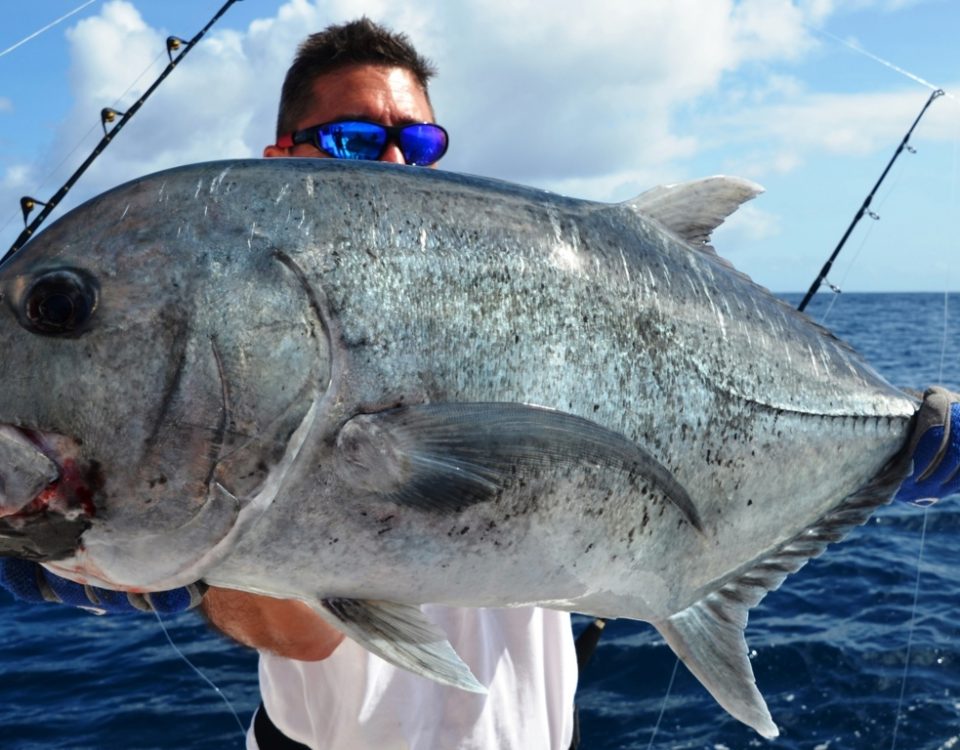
(401, 635)
(708, 638)
(445, 456)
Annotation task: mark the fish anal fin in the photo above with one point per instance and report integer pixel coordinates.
(708, 638)
(401, 635)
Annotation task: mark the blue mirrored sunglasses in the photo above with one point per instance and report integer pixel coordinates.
(421, 143)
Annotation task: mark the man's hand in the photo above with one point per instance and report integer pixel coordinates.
(31, 582)
(935, 446)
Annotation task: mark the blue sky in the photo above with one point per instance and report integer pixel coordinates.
(597, 100)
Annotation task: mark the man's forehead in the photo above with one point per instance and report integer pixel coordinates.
(391, 95)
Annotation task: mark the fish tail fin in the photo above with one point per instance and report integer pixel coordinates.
(708, 635)
(708, 638)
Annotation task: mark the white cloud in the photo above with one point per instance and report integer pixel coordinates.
(748, 222)
(5, 104)
(586, 93)
(591, 90)
(763, 138)
(17, 176)
(598, 100)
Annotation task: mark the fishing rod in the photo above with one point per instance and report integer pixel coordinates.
(107, 115)
(865, 208)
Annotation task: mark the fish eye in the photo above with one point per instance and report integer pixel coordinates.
(59, 303)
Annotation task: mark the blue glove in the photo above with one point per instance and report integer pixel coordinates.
(935, 446)
(31, 582)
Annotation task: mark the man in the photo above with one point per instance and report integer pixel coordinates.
(320, 689)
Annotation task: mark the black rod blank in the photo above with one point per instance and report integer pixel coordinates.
(865, 208)
(106, 115)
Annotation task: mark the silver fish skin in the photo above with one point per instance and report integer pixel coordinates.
(371, 387)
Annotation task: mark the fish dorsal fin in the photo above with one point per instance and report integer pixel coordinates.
(708, 635)
(692, 210)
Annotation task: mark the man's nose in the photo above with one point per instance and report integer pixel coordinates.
(393, 154)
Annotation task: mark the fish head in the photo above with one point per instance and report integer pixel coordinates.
(156, 367)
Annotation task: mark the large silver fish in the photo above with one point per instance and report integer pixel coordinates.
(371, 387)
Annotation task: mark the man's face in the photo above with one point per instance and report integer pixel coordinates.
(390, 96)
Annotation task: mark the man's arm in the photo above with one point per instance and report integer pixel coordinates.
(285, 627)
(288, 628)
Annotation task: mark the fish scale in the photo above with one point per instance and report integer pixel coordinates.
(398, 386)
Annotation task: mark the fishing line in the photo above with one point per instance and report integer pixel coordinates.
(836, 292)
(863, 243)
(35, 34)
(663, 706)
(27, 203)
(946, 284)
(913, 623)
(864, 209)
(886, 63)
(218, 691)
(69, 155)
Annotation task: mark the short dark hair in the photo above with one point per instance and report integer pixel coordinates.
(357, 42)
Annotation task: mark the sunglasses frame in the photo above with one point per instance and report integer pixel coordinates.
(311, 135)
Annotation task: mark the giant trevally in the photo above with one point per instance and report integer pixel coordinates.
(371, 387)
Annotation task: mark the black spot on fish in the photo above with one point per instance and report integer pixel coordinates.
(464, 530)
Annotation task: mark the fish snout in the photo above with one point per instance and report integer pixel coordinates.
(25, 470)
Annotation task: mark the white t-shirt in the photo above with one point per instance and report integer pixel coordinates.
(355, 700)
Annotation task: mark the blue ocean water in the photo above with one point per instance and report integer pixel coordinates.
(829, 648)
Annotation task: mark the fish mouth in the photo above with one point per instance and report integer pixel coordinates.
(46, 495)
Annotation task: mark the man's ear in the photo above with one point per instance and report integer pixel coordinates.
(274, 151)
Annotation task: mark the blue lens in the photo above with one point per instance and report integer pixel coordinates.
(352, 140)
(423, 143)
